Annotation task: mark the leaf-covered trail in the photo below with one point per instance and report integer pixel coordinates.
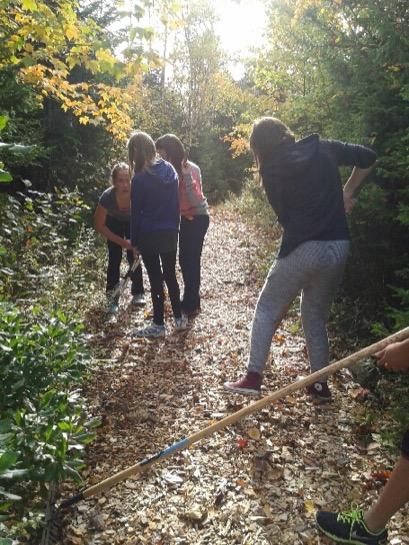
(257, 482)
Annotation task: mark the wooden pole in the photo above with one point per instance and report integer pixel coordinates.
(231, 419)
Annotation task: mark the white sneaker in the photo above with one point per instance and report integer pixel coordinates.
(181, 323)
(138, 300)
(153, 331)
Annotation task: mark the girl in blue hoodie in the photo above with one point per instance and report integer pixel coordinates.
(303, 185)
(154, 227)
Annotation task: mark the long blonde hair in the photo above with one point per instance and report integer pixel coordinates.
(141, 151)
(267, 135)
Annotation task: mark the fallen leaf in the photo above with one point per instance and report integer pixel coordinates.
(254, 433)
(309, 507)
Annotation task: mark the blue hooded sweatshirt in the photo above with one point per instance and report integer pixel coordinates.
(154, 200)
(303, 186)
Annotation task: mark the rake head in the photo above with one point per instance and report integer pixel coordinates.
(52, 526)
(52, 531)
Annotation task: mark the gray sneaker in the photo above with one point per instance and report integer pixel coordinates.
(112, 302)
(138, 300)
(153, 332)
(181, 323)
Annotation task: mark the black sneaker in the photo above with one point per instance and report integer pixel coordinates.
(349, 527)
(320, 392)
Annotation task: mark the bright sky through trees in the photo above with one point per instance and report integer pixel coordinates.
(240, 28)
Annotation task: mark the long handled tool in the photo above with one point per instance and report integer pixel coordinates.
(231, 419)
(124, 281)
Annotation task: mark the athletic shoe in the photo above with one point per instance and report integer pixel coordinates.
(250, 384)
(349, 527)
(113, 308)
(320, 392)
(112, 303)
(181, 323)
(138, 300)
(153, 331)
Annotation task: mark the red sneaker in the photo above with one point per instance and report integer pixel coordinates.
(250, 384)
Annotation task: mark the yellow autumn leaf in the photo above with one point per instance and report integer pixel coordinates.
(254, 433)
(103, 55)
(84, 120)
(309, 507)
(29, 5)
(71, 32)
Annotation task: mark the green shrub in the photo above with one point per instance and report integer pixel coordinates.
(43, 422)
(44, 246)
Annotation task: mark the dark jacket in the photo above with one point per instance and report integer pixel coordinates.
(303, 185)
(154, 200)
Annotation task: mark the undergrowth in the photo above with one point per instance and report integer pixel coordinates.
(49, 272)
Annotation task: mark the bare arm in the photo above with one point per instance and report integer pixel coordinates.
(352, 186)
(100, 217)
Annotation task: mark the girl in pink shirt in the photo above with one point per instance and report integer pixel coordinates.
(194, 222)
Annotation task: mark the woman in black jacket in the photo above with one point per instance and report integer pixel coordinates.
(303, 185)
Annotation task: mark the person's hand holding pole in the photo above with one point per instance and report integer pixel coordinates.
(395, 356)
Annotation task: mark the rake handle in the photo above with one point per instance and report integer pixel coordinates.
(253, 407)
(122, 284)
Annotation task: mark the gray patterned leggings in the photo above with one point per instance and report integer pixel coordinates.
(315, 268)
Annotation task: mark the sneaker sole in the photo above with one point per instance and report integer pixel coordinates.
(140, 336)
(243, 391)
(321, 400)
(341, 540)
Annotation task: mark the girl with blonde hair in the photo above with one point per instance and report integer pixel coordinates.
(154, 227)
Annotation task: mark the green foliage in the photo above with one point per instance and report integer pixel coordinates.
(13, 149)
(38, 235)
(43, 425)
(253, 204)
(47, 267)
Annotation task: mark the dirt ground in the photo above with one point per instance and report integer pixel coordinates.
(257, 482)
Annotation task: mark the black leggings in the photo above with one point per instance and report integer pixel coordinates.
(120, 228)
(191, 236)
(161, 267)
